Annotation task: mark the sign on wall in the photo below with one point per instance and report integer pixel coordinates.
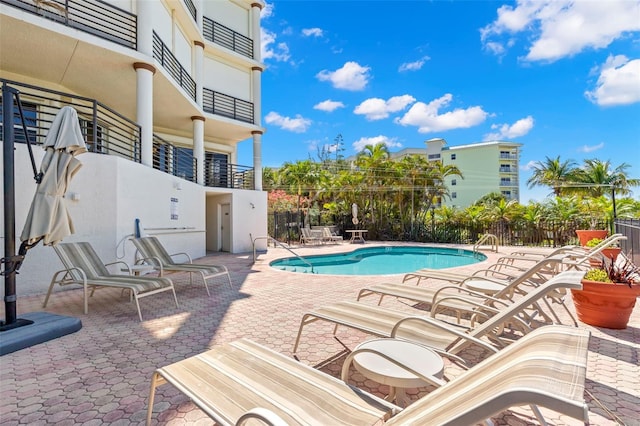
(174, 208)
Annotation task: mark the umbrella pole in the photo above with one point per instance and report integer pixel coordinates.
(10, 260)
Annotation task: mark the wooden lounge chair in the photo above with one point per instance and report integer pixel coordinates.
(242, 381)
(440, 336)
(153, 253)
(84, 267)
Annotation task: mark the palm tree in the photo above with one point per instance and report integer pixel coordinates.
(597, 178)
(552, 173)
(300, 176)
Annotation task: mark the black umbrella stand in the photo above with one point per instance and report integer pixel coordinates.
(33, 328)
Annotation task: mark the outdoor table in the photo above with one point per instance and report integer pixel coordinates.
(483, 286)
(417, 357)
(357, 235)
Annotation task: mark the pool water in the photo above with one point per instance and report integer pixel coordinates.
(380, 261)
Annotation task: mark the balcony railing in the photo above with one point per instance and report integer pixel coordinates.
(234, 176)
(104, 130)
(226, 37)
(192, 9)
(508, 156)
(173, 160)
(162, 54)
(94, 17)
(227, 106)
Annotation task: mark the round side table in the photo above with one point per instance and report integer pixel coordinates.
(419, 358)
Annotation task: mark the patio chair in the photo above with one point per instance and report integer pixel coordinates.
(242, 380)
(308, 237)
(153, 253)
(462, 299)
(84, 267)
(329, 237)
(445, 338)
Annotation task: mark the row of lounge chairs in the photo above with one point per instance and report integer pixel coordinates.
(242, 381)
(83, 266)
(319, 236)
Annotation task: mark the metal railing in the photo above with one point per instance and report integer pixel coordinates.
(94, 17)
(224, 36)
(104, 130)
(227, 106)
(162, 54)
(275, 243)
(173, 160)
(192, 9)
(630, 228)
(220, 175)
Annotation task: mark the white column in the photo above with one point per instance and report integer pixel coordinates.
(145, 26)
(257, 158)
(256, 83)
(198, 55)
(255, 30)
(144, 109)
(198, 147)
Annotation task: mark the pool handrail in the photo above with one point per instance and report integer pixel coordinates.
(276, 242)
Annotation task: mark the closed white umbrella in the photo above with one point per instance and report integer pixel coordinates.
(354, 213)
(48, 218)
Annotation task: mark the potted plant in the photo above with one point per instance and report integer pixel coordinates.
(610, 252)
(608, 294)
(586, 235)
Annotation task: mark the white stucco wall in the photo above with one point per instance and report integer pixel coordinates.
(226, 78)
(111, 193)
(229, 14)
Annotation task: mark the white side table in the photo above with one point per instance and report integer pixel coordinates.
(138, 270)
(483, 286)
(416, 357)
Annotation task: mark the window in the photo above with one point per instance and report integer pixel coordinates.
(505, 181)
(454, 182)
(453, 156)
(30, 112)
(434, 156)
(454, 195)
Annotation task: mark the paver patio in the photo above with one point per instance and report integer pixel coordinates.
(101, 374)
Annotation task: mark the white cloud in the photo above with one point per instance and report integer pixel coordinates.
(505, 131)
(266, 11)
(428, 119)
(312, 32)
(618, 83)
(413, 66)
(590, 148)
(389, 142)
(529, 166)
(377, 109)
(561, 28)
(328, 105)
(298, 124)
(352, 76)
(271, 49)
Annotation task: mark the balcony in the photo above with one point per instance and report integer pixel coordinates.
(162, 54)
(227, 106)
(110, 133)
(94, 17)
(192, 9)
(226, 37)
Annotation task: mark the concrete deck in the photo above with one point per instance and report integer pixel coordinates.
(101, 374)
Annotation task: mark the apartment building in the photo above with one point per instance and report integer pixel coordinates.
(485, 166)
(165, 91)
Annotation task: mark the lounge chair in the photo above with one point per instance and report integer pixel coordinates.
(84, 267)
(153, 253)
(308, 237)
(440, 336)
(243, 380)
(461, 299)
(329, 237)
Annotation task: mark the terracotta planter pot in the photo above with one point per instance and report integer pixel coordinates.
(604, 304)
(585, 235)
(611, 252)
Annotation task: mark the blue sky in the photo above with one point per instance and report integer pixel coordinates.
(561, 77)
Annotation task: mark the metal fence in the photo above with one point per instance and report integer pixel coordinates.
(630, 228)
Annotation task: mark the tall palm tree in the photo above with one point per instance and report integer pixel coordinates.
(300, 176)
(597, 178)
(373, 161)
(552, 173)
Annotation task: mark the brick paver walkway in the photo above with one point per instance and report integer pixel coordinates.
(100, 374)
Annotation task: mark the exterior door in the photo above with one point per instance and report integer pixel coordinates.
(225, 227)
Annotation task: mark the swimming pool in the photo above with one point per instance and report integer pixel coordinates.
(380, 260)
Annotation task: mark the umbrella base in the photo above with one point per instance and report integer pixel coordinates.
(35, 328)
